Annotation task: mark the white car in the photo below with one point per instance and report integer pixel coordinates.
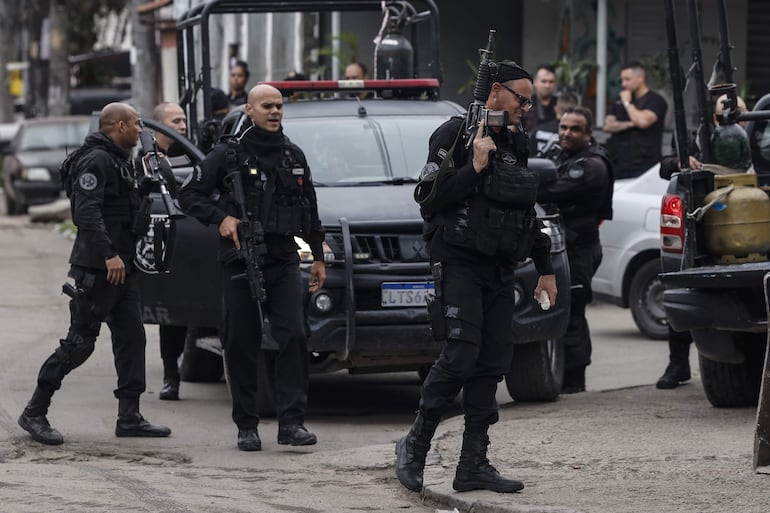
(628, 275)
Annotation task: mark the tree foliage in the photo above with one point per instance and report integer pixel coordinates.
(82, 29)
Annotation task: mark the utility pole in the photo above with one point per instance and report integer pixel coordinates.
(144, 63)
(37, 87)
(9, 47)
(59, 86)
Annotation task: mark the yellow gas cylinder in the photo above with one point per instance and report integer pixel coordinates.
(737, 226)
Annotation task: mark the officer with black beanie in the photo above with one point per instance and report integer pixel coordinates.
(478, 208)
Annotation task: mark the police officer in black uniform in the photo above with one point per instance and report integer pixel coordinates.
(101, 183)
(279, 193)
(583, 195)
(478, 209)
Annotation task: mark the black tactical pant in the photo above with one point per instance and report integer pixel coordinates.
(679, 347)
(243, 336)
(584, 259)
(99, 302)
(478, 301)
(172, 339)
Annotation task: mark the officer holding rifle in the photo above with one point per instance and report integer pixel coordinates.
(477, 199)
(268, 199)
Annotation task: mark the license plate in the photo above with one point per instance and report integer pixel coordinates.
(405, 294)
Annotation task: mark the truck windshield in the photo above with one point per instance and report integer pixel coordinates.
(363, 151)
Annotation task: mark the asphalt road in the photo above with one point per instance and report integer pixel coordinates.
(357, 418)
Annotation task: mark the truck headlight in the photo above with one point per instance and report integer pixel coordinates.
(36, 174)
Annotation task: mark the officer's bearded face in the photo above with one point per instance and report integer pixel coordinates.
(266, 110)
(574, 135)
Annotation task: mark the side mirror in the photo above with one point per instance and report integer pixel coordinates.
(545, 169)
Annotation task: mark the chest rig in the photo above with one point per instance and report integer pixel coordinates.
(496, 218)
(274, 191)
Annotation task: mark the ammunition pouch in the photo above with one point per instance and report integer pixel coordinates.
(289, 215)
(490, 229)
(513, 186)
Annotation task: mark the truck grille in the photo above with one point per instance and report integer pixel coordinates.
(380, 248)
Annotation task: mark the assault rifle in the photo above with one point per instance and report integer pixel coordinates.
(477, 110)
(252, 239)
(153, 180)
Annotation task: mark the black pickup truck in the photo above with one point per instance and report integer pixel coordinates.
(722, 304)
(714, 248)
(365, 155)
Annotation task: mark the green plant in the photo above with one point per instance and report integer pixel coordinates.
(656, 70)
(347, 53)
(573, 74)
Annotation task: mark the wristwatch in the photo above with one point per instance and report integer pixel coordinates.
(626, 104)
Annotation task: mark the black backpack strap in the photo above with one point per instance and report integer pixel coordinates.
(442, 169)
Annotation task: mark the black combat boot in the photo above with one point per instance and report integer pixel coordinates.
(34, 422)
(170, 390)
(131, 423)
(675, 374)
(411, 451)
(248, 440)
(474, 471)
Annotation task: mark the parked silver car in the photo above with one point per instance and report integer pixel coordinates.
(628, 275)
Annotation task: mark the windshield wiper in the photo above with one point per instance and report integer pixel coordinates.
(397, 180)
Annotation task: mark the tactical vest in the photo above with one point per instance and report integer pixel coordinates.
(497, 217)
(604, 208)
(276, 197)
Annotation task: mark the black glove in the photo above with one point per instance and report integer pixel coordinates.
(147, 185)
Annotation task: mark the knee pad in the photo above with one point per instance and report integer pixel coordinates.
(76, 349)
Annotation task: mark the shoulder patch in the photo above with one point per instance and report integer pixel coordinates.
(428, 173)
(576, 172)
(88, 181)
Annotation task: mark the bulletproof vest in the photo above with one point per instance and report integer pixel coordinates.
(497, 216)
(575, 163)
(275, 193)
(121, 209)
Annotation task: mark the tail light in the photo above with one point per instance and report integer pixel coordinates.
(671, 224)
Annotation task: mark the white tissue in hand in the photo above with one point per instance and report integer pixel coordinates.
(544, 300)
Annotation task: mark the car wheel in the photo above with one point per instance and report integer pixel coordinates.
(537, 371)
(266, 384)
(645, 298)
(200, 365)
(729, 385)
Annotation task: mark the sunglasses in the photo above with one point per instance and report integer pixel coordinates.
(523, 100)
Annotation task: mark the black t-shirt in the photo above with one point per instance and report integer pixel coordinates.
(539, 114)
(635, 150)
(542, 136)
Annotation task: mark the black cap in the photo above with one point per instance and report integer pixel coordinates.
(219, 100)
(509, 70)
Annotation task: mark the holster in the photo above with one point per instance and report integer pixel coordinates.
(438, 325)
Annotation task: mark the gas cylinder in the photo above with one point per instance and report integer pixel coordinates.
(737, 226)
(730, 146)
(394, 55)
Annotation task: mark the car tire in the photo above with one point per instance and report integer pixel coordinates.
(200, 365)
(645, 298)
(537, 371)
(730, 385)
(266, 384)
